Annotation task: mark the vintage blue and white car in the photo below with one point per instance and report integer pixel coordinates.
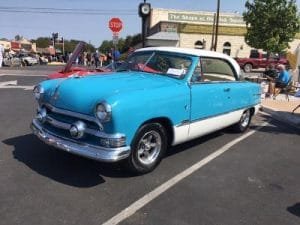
(160, 96)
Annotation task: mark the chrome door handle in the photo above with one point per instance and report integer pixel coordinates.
(226, 89)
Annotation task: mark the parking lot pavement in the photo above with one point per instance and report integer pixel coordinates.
(253, 182)
(244, 186)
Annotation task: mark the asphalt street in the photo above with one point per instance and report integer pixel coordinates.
(255, 181)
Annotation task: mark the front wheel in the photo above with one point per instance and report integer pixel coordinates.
(247, 67)
(244, 122)
(148, 148)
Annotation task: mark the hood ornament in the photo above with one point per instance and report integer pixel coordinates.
(55, 95)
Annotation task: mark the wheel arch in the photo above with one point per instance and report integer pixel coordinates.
(166, 123)
(252, 111)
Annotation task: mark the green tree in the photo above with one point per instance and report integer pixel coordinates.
(123, 44)
(106, 46)
(42, 42)
(271, 24)
(18, 37)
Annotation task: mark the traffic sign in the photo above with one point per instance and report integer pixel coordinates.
(115, 24)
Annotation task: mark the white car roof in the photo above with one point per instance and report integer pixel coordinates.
(195, 52)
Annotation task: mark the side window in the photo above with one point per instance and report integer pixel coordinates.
(216, 69)
(197, 75)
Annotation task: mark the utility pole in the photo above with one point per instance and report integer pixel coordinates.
(212, 46)
(54, 37)
(217, 26)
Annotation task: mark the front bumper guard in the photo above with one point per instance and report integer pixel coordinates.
(89, 151)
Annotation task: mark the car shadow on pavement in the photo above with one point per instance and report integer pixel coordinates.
(61, 166)
(173, 150)
(277, 127)
(295, 209)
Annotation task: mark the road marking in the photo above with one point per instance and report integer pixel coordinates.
(23, 75)
(14, 84)
(7, 83)
(130, 210)
(25, 88)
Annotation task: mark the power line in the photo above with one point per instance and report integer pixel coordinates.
(66, 10)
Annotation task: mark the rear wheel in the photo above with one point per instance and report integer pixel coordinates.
(244, 122)
(248, 67)
(148, 148)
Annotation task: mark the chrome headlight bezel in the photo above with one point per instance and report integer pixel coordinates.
(103, 111)
(38, 91)
(41, 115)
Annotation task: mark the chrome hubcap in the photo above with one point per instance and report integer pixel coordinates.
(149, 147)
(245, 119)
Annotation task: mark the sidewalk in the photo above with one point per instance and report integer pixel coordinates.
(281, 109)
(56, 64)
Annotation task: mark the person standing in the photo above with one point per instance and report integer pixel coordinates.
(96, 58)
(1, 54)
(88, 58)
(85, 58)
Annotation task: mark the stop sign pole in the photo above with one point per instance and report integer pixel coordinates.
(115, 25)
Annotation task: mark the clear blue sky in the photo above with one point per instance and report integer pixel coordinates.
(89, 27)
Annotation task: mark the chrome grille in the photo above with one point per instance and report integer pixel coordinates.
(66, 117)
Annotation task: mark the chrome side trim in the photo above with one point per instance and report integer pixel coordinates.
(219, 114)
(78, 148)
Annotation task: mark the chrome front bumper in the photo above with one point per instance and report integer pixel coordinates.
(90, 151)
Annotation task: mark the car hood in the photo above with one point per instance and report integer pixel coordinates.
(81, 94)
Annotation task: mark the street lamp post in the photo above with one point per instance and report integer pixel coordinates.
(144, 13)
(217, 26)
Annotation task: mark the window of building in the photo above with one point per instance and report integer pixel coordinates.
(227, 48)
(200, 44)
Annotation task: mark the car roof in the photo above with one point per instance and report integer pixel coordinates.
(194, 52)
(189, 51)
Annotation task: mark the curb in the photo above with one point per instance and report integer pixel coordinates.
(286, 117)
(56, 64)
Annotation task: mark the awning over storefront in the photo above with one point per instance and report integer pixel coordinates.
(168, 36)
(163, 39)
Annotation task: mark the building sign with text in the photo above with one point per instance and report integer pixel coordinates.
(198, 18)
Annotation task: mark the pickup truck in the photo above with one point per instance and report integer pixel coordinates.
(259, 60)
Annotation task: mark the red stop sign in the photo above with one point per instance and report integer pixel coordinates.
(115, 24)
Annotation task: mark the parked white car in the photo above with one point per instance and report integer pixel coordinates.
(27, 60)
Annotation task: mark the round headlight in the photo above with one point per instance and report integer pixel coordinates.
(38, 91)
(103, 112)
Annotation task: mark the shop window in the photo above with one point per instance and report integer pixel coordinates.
(227, 48)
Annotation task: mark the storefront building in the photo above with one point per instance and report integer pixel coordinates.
(195, 30)
(22, 45)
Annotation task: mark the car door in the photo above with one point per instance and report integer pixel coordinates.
(211, 93)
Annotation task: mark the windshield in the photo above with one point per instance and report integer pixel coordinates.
(158, 62)
(112, 66)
